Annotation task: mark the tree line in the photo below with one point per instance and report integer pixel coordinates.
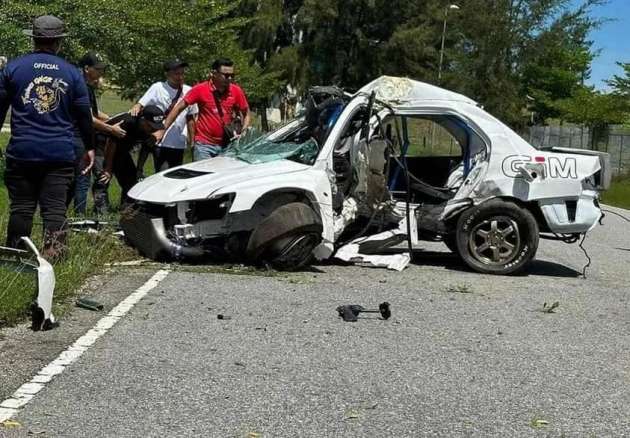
(525, 61)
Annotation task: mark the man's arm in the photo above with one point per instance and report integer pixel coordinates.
(247, 119)
(108, 163)
(172, 116)
(113, 130)
(146, 99)
(243, 107)
(190, 129)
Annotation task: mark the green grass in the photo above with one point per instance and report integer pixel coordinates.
(111, 104)
(619, 193)
(88, 253)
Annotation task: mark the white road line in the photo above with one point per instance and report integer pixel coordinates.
(25, 393)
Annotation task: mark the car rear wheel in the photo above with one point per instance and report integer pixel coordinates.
(286, 238)
(497, 237)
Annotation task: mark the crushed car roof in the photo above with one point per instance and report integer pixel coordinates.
(403, 90)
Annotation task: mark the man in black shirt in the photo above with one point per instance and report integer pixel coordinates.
(118, 159)
(93, 68)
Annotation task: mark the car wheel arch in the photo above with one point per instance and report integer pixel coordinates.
(533, 207)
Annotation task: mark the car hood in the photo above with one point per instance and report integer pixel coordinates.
(201, 179)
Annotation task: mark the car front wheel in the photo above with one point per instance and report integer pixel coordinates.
(497, 237)
(286, 238)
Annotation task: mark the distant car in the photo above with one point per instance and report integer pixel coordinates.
(353, 165)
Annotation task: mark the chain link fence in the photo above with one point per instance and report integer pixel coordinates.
(614, 139)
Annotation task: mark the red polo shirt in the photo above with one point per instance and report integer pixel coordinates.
(209, 129)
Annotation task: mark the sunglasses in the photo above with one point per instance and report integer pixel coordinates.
(228, 76)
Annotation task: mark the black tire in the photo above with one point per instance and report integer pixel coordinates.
(286, 238)
(497, 237)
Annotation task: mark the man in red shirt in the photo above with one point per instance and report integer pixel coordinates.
(218, 100)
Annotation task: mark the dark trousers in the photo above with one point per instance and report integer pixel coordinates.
(146, 149)
(32, 184)
(125, 171)
(100, 190)
(168, 157)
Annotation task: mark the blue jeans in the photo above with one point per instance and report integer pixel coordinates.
(81, 184)
(81, 192)
(203, 151)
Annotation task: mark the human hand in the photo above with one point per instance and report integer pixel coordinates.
(105, 177)
(87, 162)
(135, 110)
(117, 131)
(158, 135)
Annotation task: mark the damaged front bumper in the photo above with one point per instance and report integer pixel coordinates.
(147, 231)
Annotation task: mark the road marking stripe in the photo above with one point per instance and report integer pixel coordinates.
(25, 393)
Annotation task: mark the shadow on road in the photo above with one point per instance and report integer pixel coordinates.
(452, 262)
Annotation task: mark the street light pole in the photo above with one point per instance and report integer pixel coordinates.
(449, 7)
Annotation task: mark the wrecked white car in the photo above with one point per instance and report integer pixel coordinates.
(398, 155)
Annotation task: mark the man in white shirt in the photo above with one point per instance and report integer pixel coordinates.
(170, 151)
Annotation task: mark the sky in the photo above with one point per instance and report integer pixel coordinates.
(612, 38)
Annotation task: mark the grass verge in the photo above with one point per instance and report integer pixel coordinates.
(619, 193)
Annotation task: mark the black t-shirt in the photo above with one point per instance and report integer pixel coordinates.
(95, 111)
(131, 125)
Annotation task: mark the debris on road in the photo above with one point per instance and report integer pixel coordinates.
(460, 289)
(350, 312)
(363, 251)
(87, 226)
(41, 310)
(89, 304)
(537, 423)
(10, 424)
(550, 309)
(131, 263)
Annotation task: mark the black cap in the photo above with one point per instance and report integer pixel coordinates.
(154, 116)
(47, 27)
(174, 64)
(91, 59)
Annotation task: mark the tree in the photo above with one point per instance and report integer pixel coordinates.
(513, 49)
(136, 37)
(594, 109)
(621, 84)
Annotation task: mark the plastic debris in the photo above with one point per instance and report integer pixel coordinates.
(41, 315)
(361, 251)
(89, 304)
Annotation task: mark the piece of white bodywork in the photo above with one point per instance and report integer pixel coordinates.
(42, 316)
(348, 214)
(357, 251)
(87, 226)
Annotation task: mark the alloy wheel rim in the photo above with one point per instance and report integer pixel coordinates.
(495, 241)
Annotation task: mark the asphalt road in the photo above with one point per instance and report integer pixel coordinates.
(463, 355)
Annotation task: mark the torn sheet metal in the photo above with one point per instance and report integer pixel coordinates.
(42, 316)
(364, 251)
